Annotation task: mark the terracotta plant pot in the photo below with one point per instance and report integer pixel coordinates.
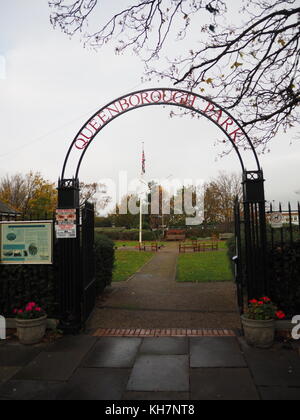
(31, 331)
(260, 334)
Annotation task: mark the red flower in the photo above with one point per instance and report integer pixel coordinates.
(260, 303)
(38, 309)
(253, 301)
(280, 315)
(266, 299)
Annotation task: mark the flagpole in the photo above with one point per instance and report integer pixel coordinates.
(141, 203)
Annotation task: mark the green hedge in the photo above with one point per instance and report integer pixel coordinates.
(283, 269)
(105, 260)
(21, 284)
(127, 235)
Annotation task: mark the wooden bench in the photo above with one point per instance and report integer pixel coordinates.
(153, 247)
(183, 247)
(198, 246)
(226, 236)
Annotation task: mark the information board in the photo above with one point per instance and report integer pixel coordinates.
(26, 242)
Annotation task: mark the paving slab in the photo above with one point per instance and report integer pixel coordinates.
(156, 396)
(50, 367)
(96, 384)
(222, 384)
(214, 352)
(165, 346)
(156, 373)
(114, 352)
(278, 368)
(80, 344)
(7, 373)
(280, 394)
(17, 355)
(30, 390)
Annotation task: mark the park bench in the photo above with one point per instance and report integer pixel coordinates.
(198, 246)
(226, 236)
(153, 247)
(183, 247)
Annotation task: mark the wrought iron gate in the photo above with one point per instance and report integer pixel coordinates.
(88, 261)
(251, 240)
(77, 284)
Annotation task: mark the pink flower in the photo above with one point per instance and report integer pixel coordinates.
(20, 311)
(280, 315)
(38, 309)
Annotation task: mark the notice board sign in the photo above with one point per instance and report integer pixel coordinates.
(277, 220)
(26, 242)
(66, 226)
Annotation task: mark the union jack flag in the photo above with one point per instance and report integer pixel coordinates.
(143, 163)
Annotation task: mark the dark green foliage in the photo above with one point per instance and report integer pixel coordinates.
(231, 252)
(283, 267)
(284, 271)
(127, 235)
(21, 284)
(103, 222)
(105, 260)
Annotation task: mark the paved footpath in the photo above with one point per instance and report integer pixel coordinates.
(164, 368)
(153, 299)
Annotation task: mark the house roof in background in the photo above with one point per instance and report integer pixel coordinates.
(6, 209)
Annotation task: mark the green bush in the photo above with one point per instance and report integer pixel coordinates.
(283, 267)
(284, 274)
(21, 284)
(103, 222)
(127, 235)
(105, 260)
(231, 251)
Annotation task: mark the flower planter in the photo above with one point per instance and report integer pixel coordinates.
(259, 334)
(31, 331)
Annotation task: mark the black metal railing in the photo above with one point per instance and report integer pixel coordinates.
(268, 254)
(88, 260)
(283, 257)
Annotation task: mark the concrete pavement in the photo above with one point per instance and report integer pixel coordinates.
(158, 368)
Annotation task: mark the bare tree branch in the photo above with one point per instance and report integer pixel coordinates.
(252, 69)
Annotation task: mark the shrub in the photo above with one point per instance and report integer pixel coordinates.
(20, 284)
(103, 222)
(283, 269)
(127, 235)
(231, 251)
(284, 273)
(105, 260)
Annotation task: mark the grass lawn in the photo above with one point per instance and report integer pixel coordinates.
(204, 267)
(128, 263)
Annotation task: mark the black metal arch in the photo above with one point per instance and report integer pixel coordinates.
(162, 103)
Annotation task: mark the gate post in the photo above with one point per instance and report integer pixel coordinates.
(69, 261)
(255, 233)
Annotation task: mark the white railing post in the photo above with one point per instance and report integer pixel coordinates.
(2, 328)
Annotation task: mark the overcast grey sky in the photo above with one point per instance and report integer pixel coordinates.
(50, 86)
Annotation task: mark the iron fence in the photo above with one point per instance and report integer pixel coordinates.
(268, 263)
(283, 257)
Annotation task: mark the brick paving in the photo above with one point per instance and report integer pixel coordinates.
(174, 332)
